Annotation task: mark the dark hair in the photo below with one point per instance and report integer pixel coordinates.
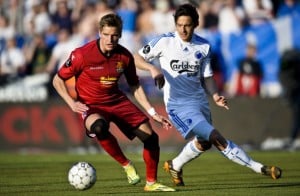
(111, 20)
(187, 10)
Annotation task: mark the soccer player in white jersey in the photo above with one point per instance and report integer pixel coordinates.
(186, 75)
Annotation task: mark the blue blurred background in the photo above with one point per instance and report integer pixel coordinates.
(250, 40)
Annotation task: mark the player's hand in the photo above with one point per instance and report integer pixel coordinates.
(221, 101)
(159, 81)
(79, 107)
(158, 77)
(162, 120)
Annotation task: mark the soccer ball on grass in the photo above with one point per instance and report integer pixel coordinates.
(82, 175)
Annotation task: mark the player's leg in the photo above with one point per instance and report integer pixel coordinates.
(236, 154)
(295, 122)
(195, 147)
(97, 126)
(233, 152)
(151, 150)
(133, 122)
(151, 153)
(191, 150)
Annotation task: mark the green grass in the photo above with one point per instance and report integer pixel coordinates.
(210, 174)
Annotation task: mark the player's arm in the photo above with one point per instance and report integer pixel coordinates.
(140, 96)
(60, 87)
(156, 73)
(211, 88)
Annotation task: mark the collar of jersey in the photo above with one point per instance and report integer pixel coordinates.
(183, 42)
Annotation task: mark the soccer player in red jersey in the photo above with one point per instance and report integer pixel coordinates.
(97, 67)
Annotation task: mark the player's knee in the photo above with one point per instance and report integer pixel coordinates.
(203, 145)
(150, 141)
(100, 128)
(217, 139)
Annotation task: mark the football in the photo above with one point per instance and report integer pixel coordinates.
(82, 175)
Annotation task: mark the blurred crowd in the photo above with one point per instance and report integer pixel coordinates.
(36, 36)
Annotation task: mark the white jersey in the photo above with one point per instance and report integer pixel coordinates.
(184, 65)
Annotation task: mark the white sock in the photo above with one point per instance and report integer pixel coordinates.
(188, 153)
(150, 183)
(128, 164)
(236, 154)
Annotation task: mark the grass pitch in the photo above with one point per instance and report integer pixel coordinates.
(210, 174)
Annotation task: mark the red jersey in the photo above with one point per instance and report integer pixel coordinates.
(97, 75)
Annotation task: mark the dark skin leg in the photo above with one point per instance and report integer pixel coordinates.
(218, 140)
(215, 139)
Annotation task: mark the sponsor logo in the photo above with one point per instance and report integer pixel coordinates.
(184, 66)
(108, 81)
(52, 125)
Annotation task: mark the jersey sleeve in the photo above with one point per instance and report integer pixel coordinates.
(72, 66)
(152, 50)
(130, 73)
(207, 70)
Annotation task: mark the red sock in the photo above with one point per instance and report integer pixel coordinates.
(111, 146)
(151, 158)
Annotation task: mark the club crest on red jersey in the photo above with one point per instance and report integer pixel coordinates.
(119, 67)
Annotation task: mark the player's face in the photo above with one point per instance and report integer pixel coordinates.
(185, 28)
(109, 38)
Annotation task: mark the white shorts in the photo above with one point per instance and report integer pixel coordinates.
(191, 121)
